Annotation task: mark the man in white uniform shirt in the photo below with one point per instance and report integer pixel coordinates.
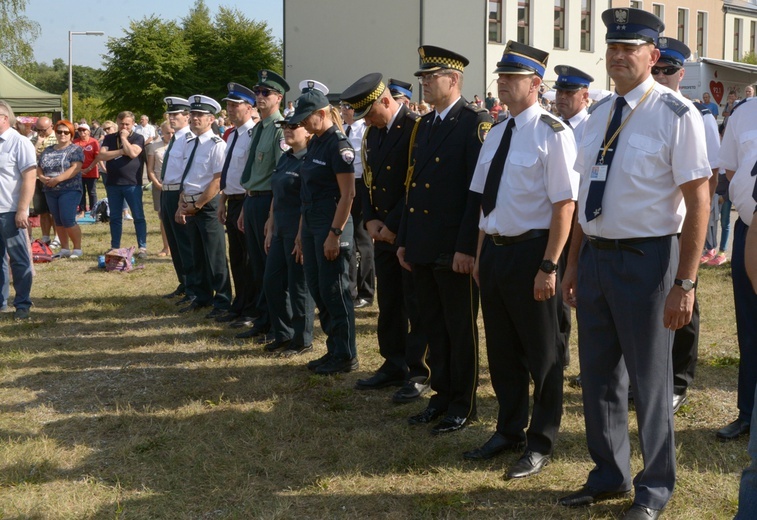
(642, 154)
(198, 210)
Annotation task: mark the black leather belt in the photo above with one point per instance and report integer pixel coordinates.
(237, 196)
(501, 240)
(622, 244)
(251, 193)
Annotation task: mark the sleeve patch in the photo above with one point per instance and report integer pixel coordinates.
(348, 155)
(483, 130)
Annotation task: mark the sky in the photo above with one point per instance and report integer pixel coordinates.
(56, 19)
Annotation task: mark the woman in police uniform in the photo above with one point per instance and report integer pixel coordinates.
(328, 187)
(290, 305)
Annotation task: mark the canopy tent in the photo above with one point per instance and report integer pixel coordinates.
(25, 97)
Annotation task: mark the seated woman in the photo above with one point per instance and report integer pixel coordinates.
(59, 170)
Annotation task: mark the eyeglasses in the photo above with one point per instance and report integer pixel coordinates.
(428, 77)
(289, 126)
(63, 132)
(265, 92)
(668, 71)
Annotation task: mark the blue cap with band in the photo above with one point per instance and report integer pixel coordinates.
(520, 58)
(400, 88)
(673, 51)
(571, 78)
(631, 26)
(239, 94)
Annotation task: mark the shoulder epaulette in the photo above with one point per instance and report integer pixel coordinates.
(475, 108)
(553, 123)
(596, 105)
(216, 139)
(341, 136)
(190, 136)
(702, 109)
(249, 131)
(737, 105)
(678, 107)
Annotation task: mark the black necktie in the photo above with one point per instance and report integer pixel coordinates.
(348, 131)
(435, 127)
(754, 189)
(567, 123)
(257, 129)
(189, 164)
(491, 188)
(597, 187)
(225, 170)
(165, 157)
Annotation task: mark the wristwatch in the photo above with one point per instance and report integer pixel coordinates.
(548, 266)
(336, 231)
(686, 284)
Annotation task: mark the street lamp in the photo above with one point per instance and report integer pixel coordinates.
(71, 34)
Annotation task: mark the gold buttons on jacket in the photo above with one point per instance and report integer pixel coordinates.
(412, 210)
(388, 167)
(428, 185)
(437, 159)
(413, 185)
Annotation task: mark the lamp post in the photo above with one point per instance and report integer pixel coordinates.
(71, 35)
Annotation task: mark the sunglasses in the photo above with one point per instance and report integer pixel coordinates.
(63, 132)
(265, 92)
(289, 126)
(668, 71)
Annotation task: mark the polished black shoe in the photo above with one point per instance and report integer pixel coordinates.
(185, 300)
(215, 313)
(494, 446)
(295, 350)
(588, 495)
(194, 306)
(227, 317)
(639, 512)
(734, 430)
(678, 400)
(337, 365)
(312, 365)
(426, 416)
(450, 424)
(409, 392)
(277, 346)
(361, 303)
(254, 332)
(174, 294)
(380, 380)
(529, 464)
(242, 322)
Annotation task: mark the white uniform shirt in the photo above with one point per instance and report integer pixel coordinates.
(738, 152)
(146, 131)
(537, 174)
(17, 155)
(175, 166)
(655, 153)
(207, 161)
(578, 124)
(357, 129)
(239, 156)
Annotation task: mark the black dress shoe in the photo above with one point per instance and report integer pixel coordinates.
(254, 332)
(639, 512)
(242, 322)
(734, 430)
(361, 303)
(227, 317)
(450, 424)
(529, 464)
(678, 400)
(215, 313)
(312, 365)
(277, 346)
(588, 495)
(178, 292)
(194, 306)
(185, 300)
(337, 365)
(295, 350)
(426, 416)
(410, 392)
(380, 380)
(494, 446)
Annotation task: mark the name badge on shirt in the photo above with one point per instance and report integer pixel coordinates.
(598, 173)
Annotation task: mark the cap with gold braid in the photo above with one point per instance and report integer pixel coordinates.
(435, 58)
(363, 93)
(520, 58)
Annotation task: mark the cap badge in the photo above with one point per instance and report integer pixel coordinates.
(170, 102)
(311, 84)
(663, 43)
(264, 75)
(422, 52)
(621, 16)
(198, 99)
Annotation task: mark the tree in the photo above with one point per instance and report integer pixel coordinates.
(55, 78)
(749, 57)
(89, 108)
(17, 34)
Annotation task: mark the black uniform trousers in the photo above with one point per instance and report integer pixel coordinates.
(245, 294)
(209, 279)
(621, 301)
(745, 301)
(256, 210)
(291, 308)
(362, 272)
(564, 311)
(686, 352)
(328, 280)
(448, 303)
(403, 348)
(178, 240)
(523, 342)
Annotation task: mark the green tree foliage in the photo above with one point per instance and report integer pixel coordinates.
(88, 108)
(17, 35)
(55, 78)
(749, 57)
(200, 56)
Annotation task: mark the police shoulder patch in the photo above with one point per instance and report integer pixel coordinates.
(483, 130)
(599, 103)
(553, 123)
(678, 107)
(348, 154)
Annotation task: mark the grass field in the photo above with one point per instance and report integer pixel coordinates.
(112, 405)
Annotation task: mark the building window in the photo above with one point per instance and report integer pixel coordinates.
(524, 21)
(559, 24)
(659, 11)
(586, 25)
(495, 21)
(736, 39)
(701, 34)
(683, 25)
(636, 5)
(752, 37)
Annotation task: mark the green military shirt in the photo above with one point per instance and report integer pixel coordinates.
(257, 175)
